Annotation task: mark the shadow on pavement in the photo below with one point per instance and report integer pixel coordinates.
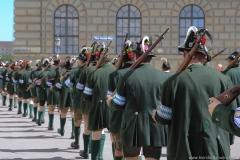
(50, 150)
(30, 137)
(54, 158)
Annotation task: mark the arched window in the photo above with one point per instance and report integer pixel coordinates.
(128, 21)
(190, 15)
(66, 27)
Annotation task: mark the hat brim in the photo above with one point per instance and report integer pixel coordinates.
(139, 53)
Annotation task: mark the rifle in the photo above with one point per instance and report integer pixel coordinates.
(215, 55)
(229, 95)
(145, 54)
(121, 56)
(192, 53)
(232, 63)
(103, 56)
(34, 84)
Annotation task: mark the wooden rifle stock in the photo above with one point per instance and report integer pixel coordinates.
(121, 56)
(188, 57)
(93, 49)
(34, 82)
(215, 55)
(229, 95)
(99, 63)
(233, 63)
(145, 54)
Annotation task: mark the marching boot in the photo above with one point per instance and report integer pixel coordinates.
(4, 100)
(19, 107)
(73, 126)
(118, 158)
(30, 110)
(62, 124)
(24, 109)
(95, 149)
(50, 124)
(113, 150)
(75, 144)
(86, 140)
(10, 104)
(35, 114)
(15, 99)
(102, 141)
(43, 115)
(39, 118)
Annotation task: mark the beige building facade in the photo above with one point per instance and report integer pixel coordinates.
(77, 22)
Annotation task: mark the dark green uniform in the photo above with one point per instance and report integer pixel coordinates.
(6, 79)
(138, 93)
(96, 91)
(169, 74)
(34, 74)
(227, 119)
(43, 88)
(1, 78)
(23, 83)
(53, 97)
(16, 78)
(185, 99)
(11, 87)
(84, 104)
(115, 117)
(234, 74)
(71, 82)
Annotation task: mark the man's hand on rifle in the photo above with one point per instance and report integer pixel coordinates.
(61, 78)
(213, 103)
(108, 100)
(51, 88)
(40, 81)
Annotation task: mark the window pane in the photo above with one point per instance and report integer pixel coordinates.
(69, 49)
(187, 8)
(201, 23)
(120, 13)
(71, 9)
(62, 49)
(69, 41)
(57, 13)
(119, 41)
(138, 22)
(69, 14)
(132, 23)
(63, 22)
(63, 31)
(62, 8)
(125, 22)
(70, 22)
(75, 22)
(75, 41)
(57, 30)
(75, 13)
(75, 49)
(188, 23)
(182, 23)
(183, 13)
(132, 14)
(125, 30)
(63, 14)
(70, 31)
(75, 31)
(62, 41)
(119, 31)
(200, 14)
(119, 23)
(195, 22)
(57, 22)
(195, 14)
(195, 8)
(183, 32)
(188, 14)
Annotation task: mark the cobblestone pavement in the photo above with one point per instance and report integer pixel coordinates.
(22, 139)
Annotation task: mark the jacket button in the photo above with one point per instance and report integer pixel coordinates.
(136, 113)
(101, 101)
(217, 119)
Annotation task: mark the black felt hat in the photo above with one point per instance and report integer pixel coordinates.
(234, 54)
(84, 53)
(56, 59)
(143, 46)
(45, 62)
(165, 63)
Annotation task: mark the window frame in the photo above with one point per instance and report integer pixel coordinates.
(57, 49)
(129, 18)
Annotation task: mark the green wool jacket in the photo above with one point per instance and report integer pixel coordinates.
(115, 117)
(6, 79)
(1, 77)
(64, 94)
(184, 108)
(23, 83)
(227, 119)
(16, 80)
(96, 91)
(234, 74)
(34, 74)
(43, 90)
(71, 82)
(53, 97)
(138, 93)
(11, 87)
(84, 104)
(169, 74)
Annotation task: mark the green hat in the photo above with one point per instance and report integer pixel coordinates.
(84, 53)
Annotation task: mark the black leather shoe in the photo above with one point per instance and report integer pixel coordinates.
(34, 119)
(43, 121)
(9, 109)
(72, 136)
(37, 121)
(50, 128)
(19, 112)
(74, 145)
(31, 116)
(15, 106)
(24, 114)
(100, 158)
(84, 155)
(59, 131)
(4, 104)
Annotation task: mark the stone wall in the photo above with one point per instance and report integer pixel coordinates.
(34, 23)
